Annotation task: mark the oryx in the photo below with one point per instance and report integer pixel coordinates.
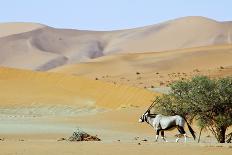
(162, 123)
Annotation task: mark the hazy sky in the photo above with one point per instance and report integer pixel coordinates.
(109, 14)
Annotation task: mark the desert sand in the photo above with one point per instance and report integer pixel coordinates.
(39, 108)
(64, 148)
(55, 81)
(119, 130)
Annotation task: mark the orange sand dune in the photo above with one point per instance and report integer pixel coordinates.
(25, 89)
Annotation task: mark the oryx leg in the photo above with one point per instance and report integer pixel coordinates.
(181, 130)
(185, 138)
(177, 139)
(157, 135)
(162, 136)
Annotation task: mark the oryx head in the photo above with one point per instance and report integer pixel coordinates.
(147, 113)
(144, 116)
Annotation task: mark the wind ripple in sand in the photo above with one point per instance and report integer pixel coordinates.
(56, 110)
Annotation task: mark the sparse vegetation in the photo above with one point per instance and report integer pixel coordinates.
(61, 139)
(80, 135)
(196, 70)
(162, 83)
(182, 78)
(221, 67)
(209, 101)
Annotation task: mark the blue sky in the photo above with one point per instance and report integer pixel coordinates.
(109, 14)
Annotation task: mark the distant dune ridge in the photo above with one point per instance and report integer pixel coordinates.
(182, 60)
(39, 47)
(7, 29)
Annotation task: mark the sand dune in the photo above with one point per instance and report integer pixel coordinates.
(154, 67)
(30, 91)
(7, 29)
(42, 48)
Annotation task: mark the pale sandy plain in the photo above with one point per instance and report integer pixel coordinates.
(53, 81)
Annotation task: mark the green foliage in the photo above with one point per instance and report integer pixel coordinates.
(209, 101)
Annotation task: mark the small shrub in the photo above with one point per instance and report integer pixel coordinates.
(61, 139)
(196, 70)
(221, 67)
(162, 83)
(80, 135)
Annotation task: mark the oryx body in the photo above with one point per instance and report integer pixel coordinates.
(161, 123)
